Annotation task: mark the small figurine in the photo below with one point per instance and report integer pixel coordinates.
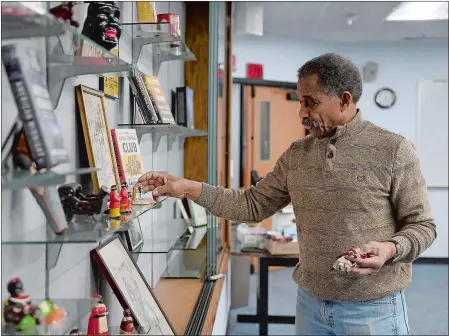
(75, 202)
(124, 199)
(127, 325)
(114, 203)
(50, 312)
(18, 308)
(98, 321)
(64, 13)
(345, 265)
(75, 331)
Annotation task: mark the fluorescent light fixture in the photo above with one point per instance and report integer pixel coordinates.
(419, 11)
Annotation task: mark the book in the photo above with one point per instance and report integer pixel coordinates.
(158, 100)
(128, 156)
(184, 107)
(140, 92)
(27, 79)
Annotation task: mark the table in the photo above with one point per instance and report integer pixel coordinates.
(265, 261)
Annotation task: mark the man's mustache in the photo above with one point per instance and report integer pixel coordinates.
(309, 122)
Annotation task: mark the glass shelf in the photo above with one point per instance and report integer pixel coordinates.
(73, 54)
(160, 130)
(14, 179)
(25, 20)
(82, 229)
(191, 241)
(77, 310)
(163, 52)
(161, 237)
(186, 264)
(141, 34)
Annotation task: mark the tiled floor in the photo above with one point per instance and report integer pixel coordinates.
(427, 300)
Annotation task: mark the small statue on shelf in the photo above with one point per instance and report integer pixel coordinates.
(124, 199)
(102, 23)
(98, 321)
(19, 310)
(64, 12)
(50, 312)
(127, 325)
(75, 202)
(114, 202)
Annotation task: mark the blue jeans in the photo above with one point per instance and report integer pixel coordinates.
(384, 316)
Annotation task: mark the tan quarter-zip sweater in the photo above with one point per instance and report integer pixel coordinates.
(362, 184)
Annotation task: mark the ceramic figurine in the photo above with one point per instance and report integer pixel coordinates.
(75, 202)
(124, 199)
(98, 321)
(18, 308)
(64, 13)
(102, 23)
(127, 325)
(50, 312)
(114, 202)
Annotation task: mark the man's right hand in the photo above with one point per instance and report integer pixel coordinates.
(164, 184)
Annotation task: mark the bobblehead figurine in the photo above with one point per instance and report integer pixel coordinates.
(98, 321)
(127, 325)
(124, 199)
(18, 309)
(114, 202)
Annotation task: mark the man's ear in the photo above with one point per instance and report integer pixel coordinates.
(345, 101)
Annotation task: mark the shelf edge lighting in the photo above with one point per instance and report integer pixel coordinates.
(419, 11)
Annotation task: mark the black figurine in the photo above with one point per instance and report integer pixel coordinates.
(102, 23)
(18, 309)
(75, 202)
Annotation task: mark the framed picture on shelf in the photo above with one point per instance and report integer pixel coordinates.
(97, 136)
(110, 85)
(130, 287)
(134, 236)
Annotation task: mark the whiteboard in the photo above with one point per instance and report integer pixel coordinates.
(432, 144)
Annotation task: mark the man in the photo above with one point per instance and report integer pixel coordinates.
(352, 185)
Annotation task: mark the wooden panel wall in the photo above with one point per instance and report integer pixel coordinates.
(196, 77)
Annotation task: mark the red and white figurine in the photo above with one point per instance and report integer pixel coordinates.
(98, 321)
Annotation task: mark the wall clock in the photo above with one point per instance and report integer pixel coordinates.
(385, 98)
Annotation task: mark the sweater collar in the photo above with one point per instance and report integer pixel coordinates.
(351, 128)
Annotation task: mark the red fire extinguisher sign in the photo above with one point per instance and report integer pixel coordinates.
(254, 71)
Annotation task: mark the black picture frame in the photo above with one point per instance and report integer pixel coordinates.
(134, 236)
(130, 286)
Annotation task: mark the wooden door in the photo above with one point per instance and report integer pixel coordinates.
(273, 123)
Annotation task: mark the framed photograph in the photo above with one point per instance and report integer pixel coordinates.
(130, 287)
(134, 236)
(110, 85)
(97, 136)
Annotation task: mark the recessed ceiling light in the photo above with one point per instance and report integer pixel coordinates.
(419, 11)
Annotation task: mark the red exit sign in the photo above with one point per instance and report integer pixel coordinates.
(254, 71)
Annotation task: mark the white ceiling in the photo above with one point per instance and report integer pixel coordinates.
(328, 21)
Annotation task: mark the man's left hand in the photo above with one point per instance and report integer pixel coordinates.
(379, 253)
